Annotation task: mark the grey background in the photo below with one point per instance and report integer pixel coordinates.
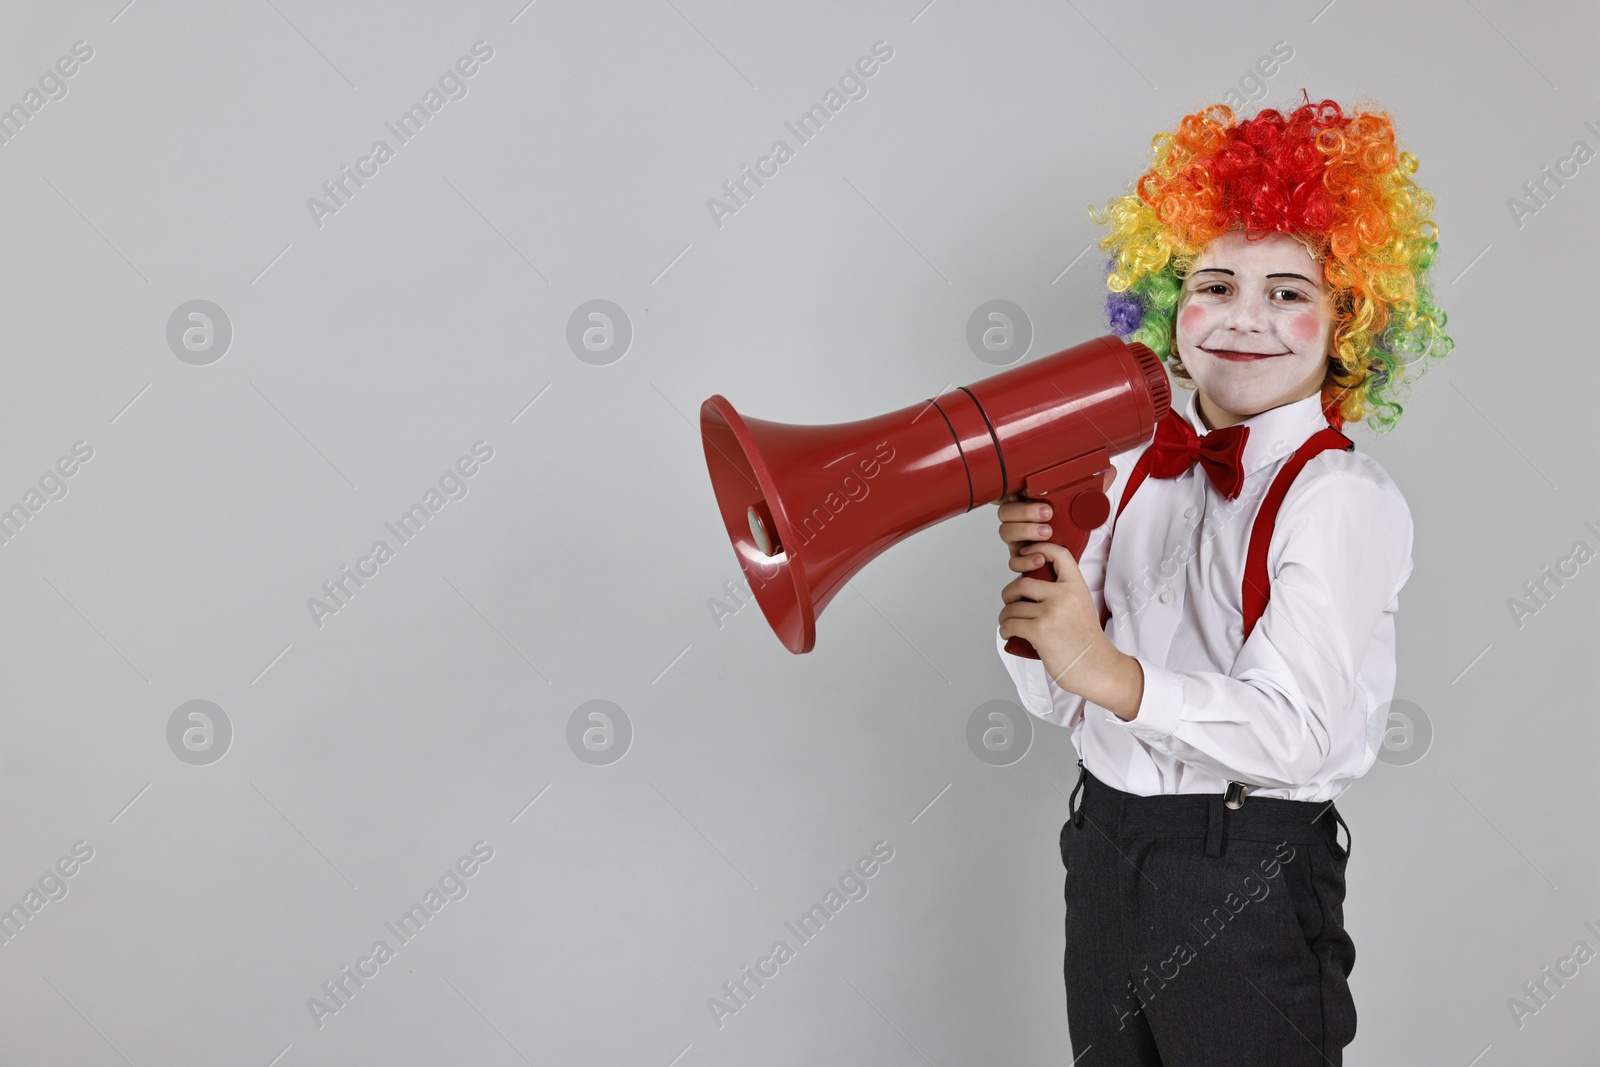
(368, 355)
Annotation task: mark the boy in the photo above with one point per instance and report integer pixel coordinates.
(1225, 641)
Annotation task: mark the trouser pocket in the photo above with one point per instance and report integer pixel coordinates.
(1320, 909)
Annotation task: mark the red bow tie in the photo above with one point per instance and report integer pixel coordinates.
(1176, 447)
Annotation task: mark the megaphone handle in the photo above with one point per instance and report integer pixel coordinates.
(1086, 508)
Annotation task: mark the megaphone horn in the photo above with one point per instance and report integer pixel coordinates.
(806, 507)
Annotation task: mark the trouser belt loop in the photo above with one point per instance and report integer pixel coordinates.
(1074, 809)
(1215, 813)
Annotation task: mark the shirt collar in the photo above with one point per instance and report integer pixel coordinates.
(1274, 433)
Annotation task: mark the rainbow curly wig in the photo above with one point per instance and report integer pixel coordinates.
(1334, 182)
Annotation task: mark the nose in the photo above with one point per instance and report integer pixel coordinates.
(1247, 313)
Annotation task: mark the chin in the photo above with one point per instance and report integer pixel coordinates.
(1248, 389)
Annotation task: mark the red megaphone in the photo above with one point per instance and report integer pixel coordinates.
(806, 507)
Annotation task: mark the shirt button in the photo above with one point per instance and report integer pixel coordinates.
(1166, 596)
(1188, 513)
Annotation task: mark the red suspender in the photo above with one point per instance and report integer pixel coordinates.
(1140, 469)
(1256, 586)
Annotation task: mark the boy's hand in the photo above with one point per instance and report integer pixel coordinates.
(1057, 618)
(1023, 523)
(1062, 624)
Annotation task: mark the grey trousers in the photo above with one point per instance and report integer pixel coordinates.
(1200, 935)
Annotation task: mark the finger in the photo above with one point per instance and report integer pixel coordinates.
(1066, 567)
(1026, 564)
(1025, 511)
(1026, 548)
(1023, 613)
(1024, 553)
(1016, 628)
(1026, 610)
(1025, 588)
(1013, 532)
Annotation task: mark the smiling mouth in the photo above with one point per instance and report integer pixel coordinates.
(1240, 357)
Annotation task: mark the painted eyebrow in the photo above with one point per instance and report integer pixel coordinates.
(1229, 273)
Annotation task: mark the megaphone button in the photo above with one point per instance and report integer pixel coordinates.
(1090, 508)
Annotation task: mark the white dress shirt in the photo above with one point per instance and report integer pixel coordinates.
(1294, 711)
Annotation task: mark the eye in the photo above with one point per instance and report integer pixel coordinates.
(1294, 295)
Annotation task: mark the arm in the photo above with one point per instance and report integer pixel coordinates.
(1345, 553)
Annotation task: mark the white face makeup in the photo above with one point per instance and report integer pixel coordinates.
(1254, 324)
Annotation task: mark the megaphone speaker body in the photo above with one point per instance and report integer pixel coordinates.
(806, 507)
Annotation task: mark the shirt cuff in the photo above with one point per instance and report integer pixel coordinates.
(1161, 706)
(1033, 684)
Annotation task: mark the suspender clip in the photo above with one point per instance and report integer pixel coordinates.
(1234, 797)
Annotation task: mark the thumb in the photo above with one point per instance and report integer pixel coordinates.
(1065, 566)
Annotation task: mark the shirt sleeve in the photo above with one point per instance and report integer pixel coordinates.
(1345, 553)
(1039, 693)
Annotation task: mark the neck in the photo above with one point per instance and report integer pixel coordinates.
(1213, 417)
